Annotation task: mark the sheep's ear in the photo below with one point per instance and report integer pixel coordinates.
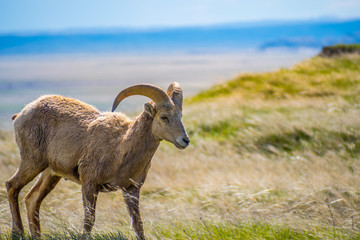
(149, 109)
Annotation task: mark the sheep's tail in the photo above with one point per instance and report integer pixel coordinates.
(14, 116)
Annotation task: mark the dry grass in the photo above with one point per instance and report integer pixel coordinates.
(266, 168)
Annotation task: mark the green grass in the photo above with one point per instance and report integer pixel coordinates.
(211, 230)
(255, 230)
(243, 134)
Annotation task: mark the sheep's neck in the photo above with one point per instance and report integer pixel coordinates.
(137, 156)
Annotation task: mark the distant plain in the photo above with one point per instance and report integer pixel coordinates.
(97, 79)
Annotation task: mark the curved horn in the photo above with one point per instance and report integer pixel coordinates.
(155, 93)
(175, 92)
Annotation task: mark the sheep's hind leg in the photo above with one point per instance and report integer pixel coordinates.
(44, 185)
(23, 176)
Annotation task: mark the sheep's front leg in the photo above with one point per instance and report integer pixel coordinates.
(89, 194)
(131, 197)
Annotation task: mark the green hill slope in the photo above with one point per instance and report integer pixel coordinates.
(316, 77)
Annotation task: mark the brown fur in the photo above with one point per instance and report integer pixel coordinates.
(62, 137)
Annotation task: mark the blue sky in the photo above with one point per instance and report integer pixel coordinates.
(40, 15)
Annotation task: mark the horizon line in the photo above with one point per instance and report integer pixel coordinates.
(139, 29)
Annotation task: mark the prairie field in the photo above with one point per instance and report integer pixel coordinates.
(272, 156)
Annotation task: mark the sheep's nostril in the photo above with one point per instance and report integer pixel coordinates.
(186, 140)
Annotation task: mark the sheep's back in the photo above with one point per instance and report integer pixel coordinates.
(53, 109)
(53, 127)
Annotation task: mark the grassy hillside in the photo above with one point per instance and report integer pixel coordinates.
(273, 156)
(317, 77)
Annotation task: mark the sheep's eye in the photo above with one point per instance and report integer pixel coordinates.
(164, 118)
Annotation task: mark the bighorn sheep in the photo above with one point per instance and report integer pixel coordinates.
(62, 137)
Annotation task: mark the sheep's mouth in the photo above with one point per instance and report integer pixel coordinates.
(182, 141)
(180, 146)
